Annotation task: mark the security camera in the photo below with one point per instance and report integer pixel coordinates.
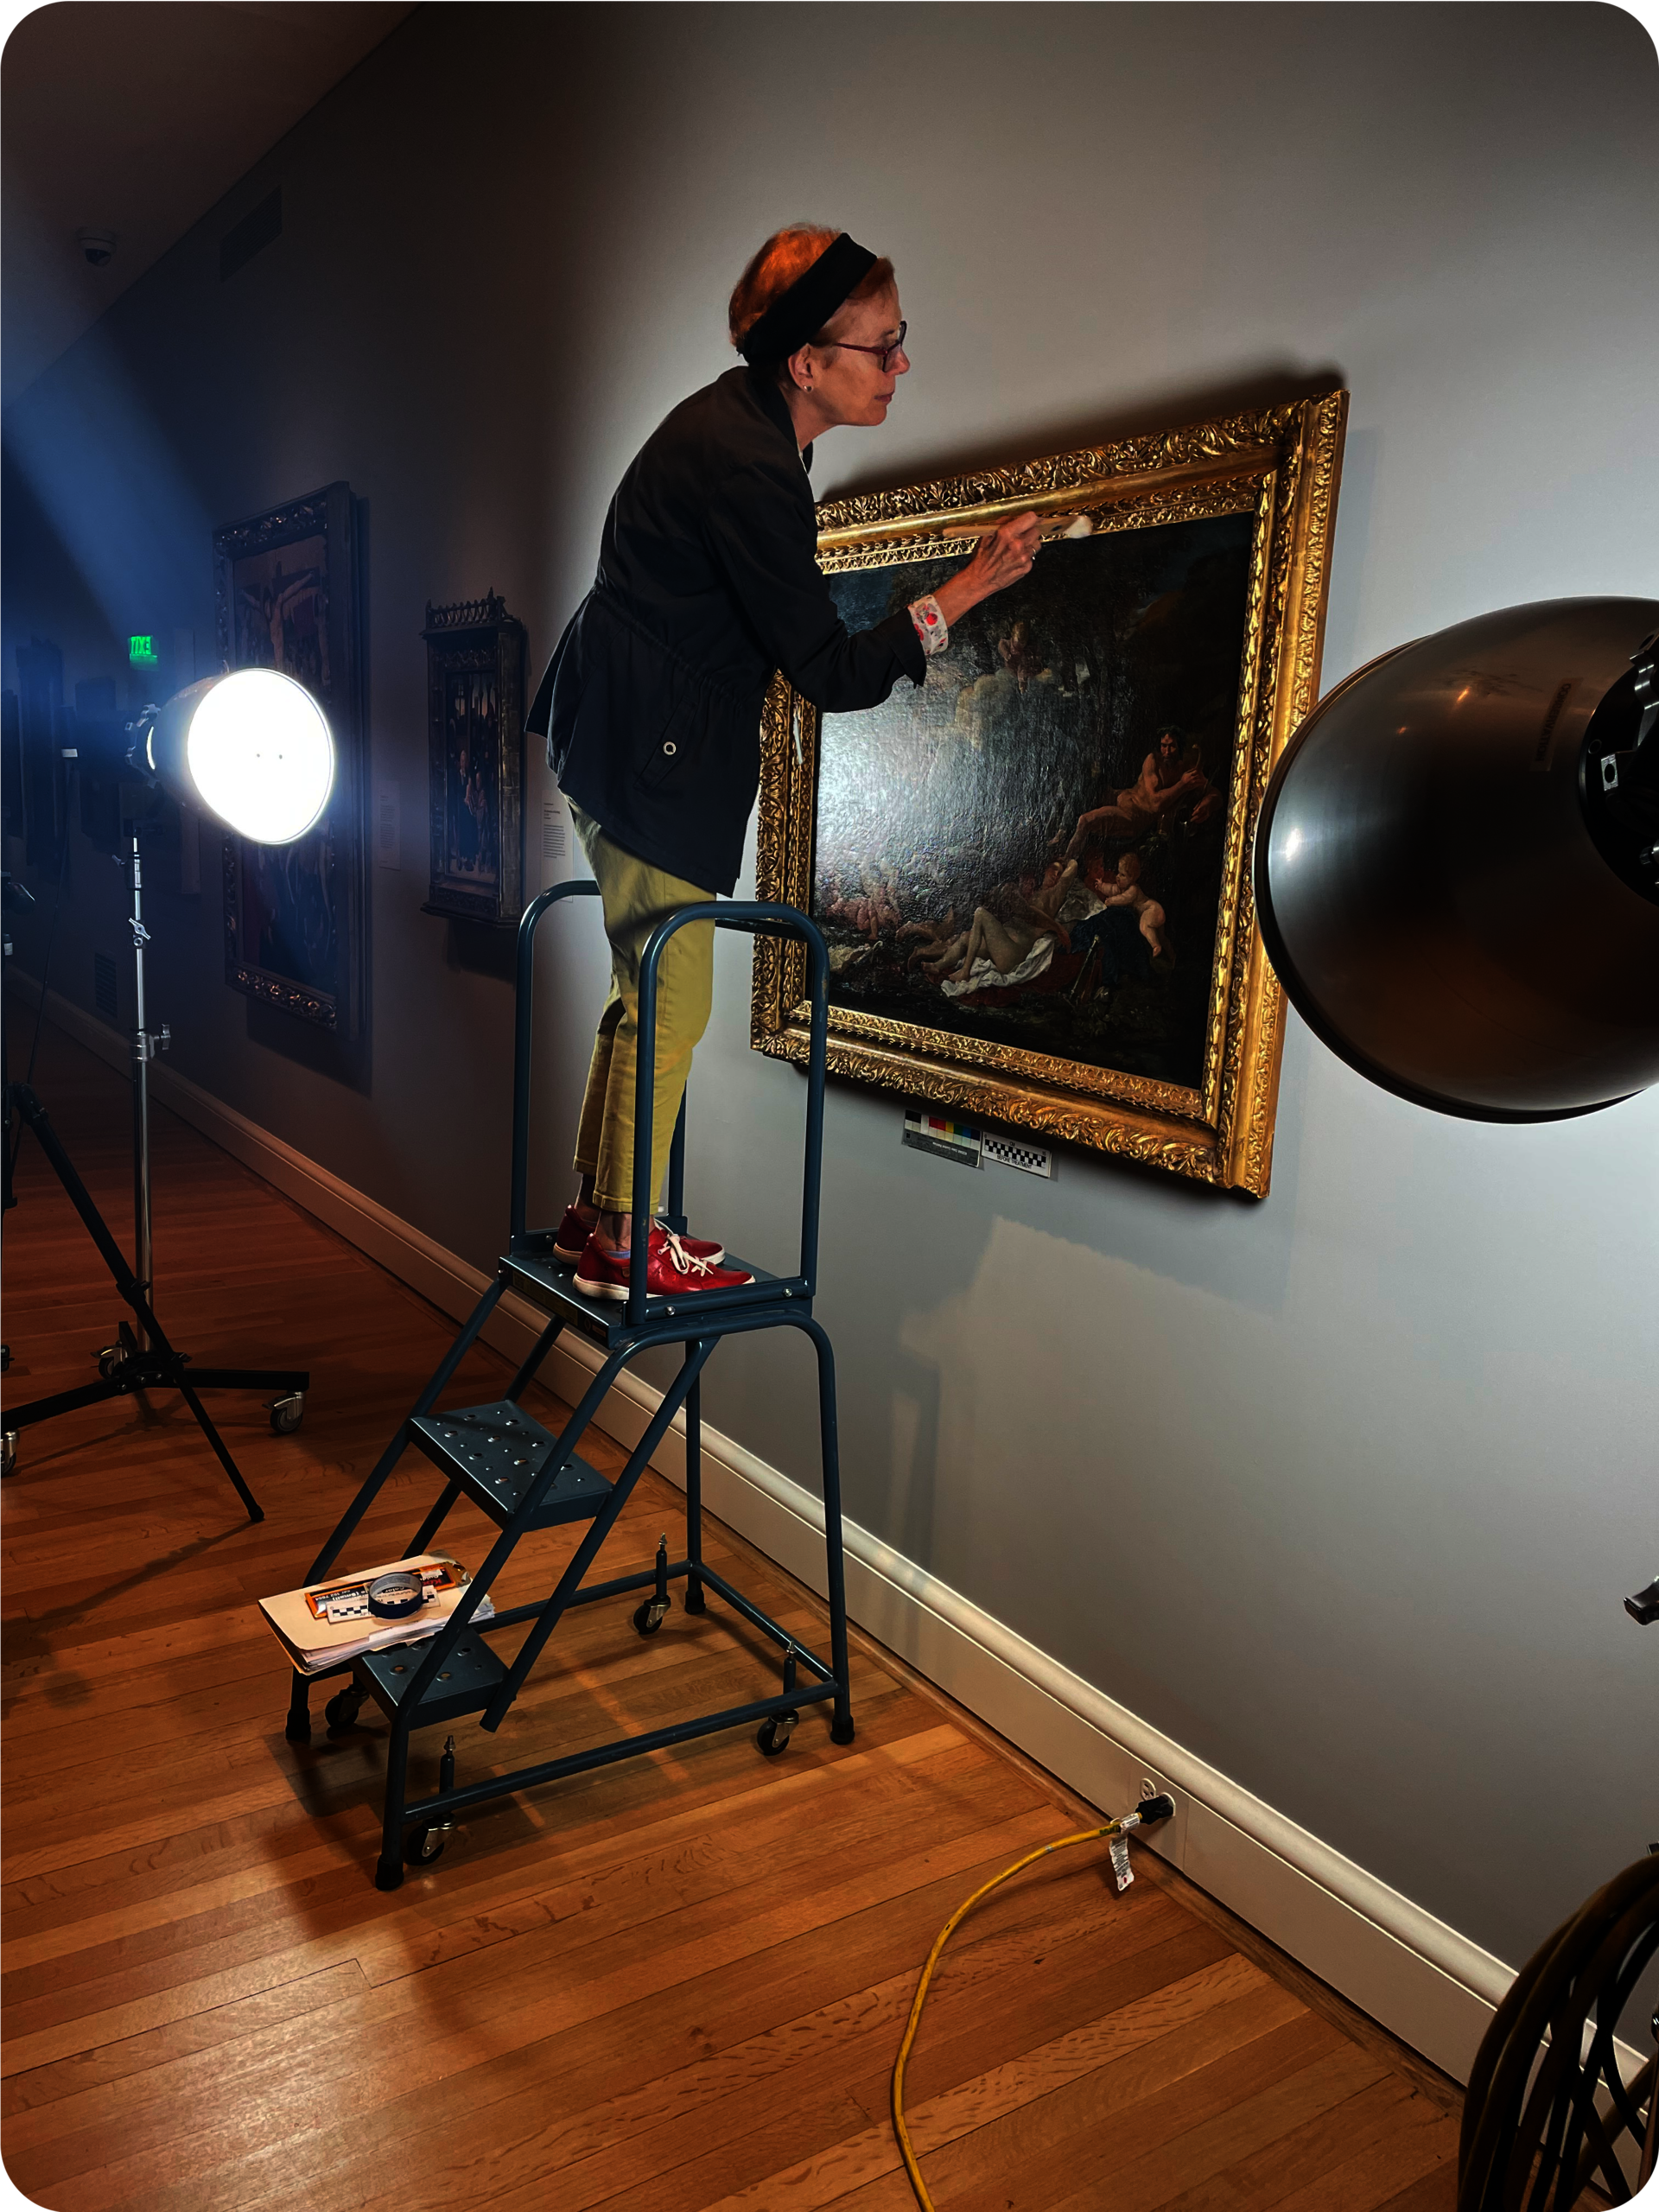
(98, 247)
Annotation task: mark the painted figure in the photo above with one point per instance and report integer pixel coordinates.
(1170, 785)
(1127, 889)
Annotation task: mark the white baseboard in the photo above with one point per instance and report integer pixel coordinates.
(1420, 1978)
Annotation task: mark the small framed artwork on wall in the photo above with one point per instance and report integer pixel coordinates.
(1033, 872)
(475, 705)
(286, 592)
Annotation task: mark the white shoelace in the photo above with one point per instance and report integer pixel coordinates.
(685, 1263)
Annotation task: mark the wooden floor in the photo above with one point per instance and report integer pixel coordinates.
(678, 1982)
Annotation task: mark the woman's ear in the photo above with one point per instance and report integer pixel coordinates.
(800, 369)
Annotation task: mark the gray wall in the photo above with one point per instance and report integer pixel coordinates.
(1341, 1489)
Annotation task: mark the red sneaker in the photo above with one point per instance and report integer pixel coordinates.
(572, 1238)
(573, 1234)
(672, 1270)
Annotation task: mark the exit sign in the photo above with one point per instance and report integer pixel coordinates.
(141, 652)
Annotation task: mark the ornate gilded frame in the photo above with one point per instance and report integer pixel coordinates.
(1280, 464)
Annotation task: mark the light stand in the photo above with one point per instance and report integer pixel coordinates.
(269, 751)
(142, 1358)
(1403, 841)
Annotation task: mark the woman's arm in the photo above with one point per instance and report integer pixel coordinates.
(760, 533)
(760, 530)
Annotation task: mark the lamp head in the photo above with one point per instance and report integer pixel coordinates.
(251, 746)
(1458, 895)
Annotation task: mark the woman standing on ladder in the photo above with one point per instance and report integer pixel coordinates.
(708, 581)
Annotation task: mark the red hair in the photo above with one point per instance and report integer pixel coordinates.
(787, 255)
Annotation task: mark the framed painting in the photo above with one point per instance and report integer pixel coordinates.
(286, 597)
(474, 709)
(1032, 872)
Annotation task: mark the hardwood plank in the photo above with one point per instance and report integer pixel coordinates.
(818, 2085)
(1438, 2192)
(1420, 2157)
(1287, 2163)
(1184, 2024)
(681, 1978)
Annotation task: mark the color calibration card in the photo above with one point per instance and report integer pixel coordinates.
(943, 1135)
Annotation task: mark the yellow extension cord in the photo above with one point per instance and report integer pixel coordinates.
(1060, 1843)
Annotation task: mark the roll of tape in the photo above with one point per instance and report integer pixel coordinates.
(395, 1596)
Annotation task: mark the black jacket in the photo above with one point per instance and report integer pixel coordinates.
(708, 582)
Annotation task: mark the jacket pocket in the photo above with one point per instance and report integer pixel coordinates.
(677, 749)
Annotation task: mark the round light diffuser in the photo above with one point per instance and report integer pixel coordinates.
(252, 746)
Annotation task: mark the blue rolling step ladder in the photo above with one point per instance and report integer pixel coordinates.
(524, 1478)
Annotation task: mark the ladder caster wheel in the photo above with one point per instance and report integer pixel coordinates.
(109, 1359)
(773, 1734)
(9, 1452)
(649, 1617)
(286, 1413)
(341, 1712)
(423, 1845)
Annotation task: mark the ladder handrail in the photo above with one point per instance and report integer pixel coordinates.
(522, 1009)
(755, 918)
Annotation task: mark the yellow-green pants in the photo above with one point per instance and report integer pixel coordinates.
(635, 897)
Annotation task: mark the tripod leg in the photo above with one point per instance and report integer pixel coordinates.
(840, 1728)
(256, 1512)
(81, 1199)
(126, 1282)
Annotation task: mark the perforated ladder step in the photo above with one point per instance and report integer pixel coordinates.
(495, 1453)
(466, 1682)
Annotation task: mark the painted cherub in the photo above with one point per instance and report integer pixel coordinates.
(1125, 889)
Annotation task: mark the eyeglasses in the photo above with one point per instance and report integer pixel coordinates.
(887, 355)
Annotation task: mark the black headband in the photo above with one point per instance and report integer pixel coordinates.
(796, 316)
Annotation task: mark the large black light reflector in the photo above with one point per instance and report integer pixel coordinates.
(1457, 865)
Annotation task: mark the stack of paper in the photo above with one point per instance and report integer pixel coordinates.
(327, 1623)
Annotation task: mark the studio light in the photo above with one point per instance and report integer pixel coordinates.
(1457, 876)
(252, 746)
(1457, 865)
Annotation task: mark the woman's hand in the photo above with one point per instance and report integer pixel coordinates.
(999, 559)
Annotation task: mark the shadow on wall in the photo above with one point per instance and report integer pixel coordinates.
(323, 1052)
(986, 1301)
(1349, 551)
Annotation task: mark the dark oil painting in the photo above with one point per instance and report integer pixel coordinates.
(282, 612)
(472, 806)
(474, 705)
(1030, 848)
(289, 928)
(285, 588)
